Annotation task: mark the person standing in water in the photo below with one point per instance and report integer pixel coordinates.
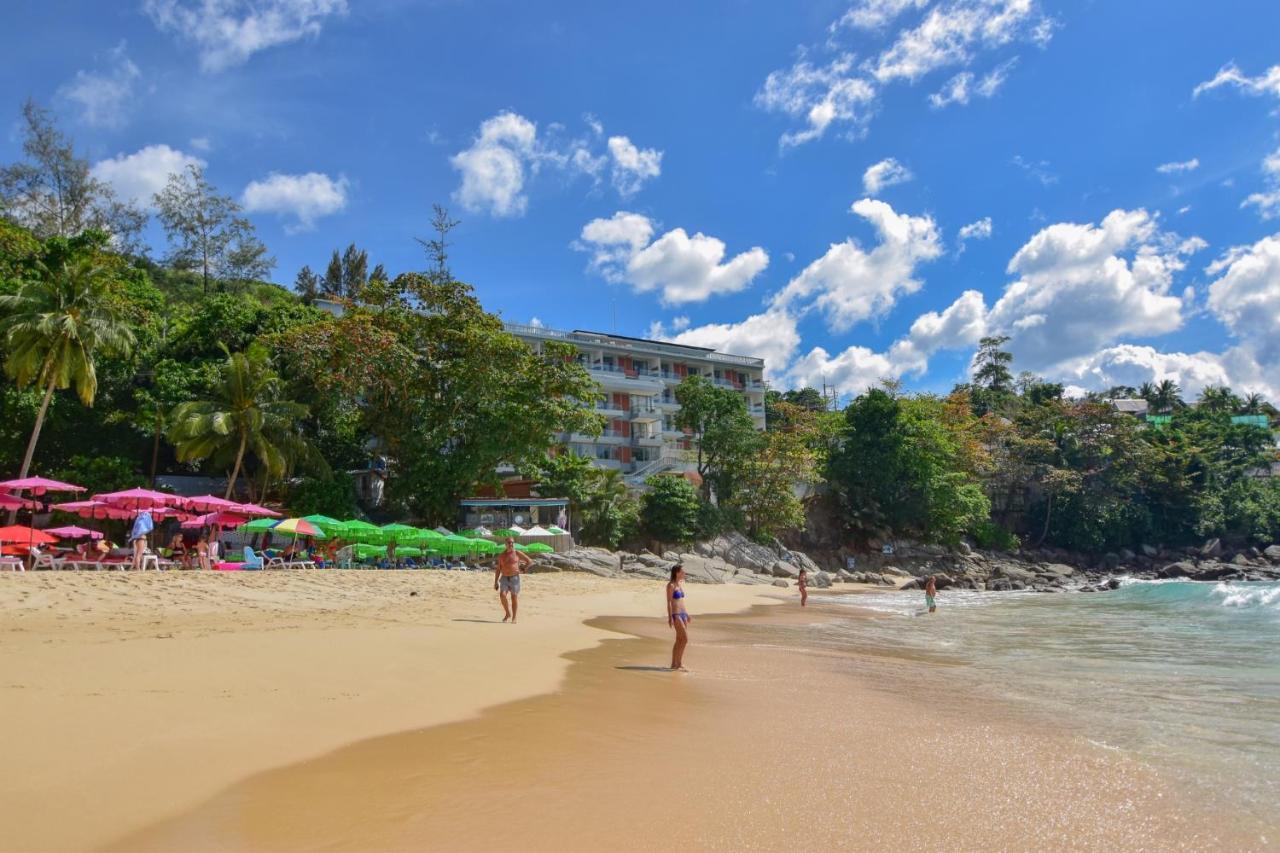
(506, 578)
(930, 590)
(803, 583)
(677, 616)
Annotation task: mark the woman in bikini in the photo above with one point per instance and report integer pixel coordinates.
(677, 616)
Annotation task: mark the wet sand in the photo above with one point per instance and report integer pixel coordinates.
(760, 747)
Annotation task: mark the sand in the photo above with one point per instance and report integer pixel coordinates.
(291, 711)
(128, 697)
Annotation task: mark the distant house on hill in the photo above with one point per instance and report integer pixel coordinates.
(1138, 407)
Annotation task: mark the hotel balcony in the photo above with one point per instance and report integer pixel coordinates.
(615, 378)
(647, 440)
(645, 413)
(613, 436)
(609, 410)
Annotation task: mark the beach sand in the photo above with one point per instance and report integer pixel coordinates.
(291, 711)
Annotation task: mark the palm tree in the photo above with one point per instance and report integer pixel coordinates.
(1218, 399)
(600, 505)
(1168, 396)
(244, 416)
(53, 328)
(1254, 404)
(1147, 391)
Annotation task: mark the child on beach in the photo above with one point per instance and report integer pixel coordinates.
(803, 583)
(202, 551)
(930, 590)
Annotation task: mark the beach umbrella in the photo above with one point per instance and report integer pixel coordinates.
(210, 503)
(298, 527)
(220, 520)
(92, 510)
(73, 532)
(324, 522)
(444, 531)
(140, 499)
(539, 548)
(507, 531)
(557, 531)
(538, 532)
(21, 533)
(258, 525)
(255, 510)
(38, 486)
(15, 502)
(482, 531)
(360, 531)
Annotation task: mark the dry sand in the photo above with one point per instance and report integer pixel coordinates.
(255, 712)
(131, 696)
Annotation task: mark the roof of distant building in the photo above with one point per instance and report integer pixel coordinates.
(1131, 406)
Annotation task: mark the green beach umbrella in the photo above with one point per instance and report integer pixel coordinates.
(258, 525)
(324, 522)
(507, 531)
(539, 548)
(557, 531)
(359, 531)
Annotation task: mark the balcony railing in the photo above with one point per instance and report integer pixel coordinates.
(674, 351)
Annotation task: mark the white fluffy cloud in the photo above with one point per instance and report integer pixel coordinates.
(1268, 201)
(682, 268)
(980, 230)
(850, 284)
(1178, 167)
(632, 166)
(771, 335)
(228, 32)
(1266, 83)
(105, 96)
(843, 91)
(508, 150)
(305, 197)
(137, 177)
(1082, 287)
(494, 167)
(951, 33)
(873, 14)
(1246, 296)
(820, 95)
(886, 173)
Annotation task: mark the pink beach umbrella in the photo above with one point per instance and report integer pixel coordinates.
(221, 520)
(92, 510)
(15, 502)
(255, 510)
(210, 503)
(38, 486)
(73, 532)
(140, 499)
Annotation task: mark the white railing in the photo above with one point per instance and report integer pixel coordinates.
(656, 347)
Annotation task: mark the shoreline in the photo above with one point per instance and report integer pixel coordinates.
(755, 749)
(122, 684)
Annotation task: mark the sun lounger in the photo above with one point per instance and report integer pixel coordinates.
(13, 564)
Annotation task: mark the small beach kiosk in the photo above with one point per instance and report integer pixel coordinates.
(507, 512)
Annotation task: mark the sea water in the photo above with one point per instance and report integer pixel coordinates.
(1184, 675)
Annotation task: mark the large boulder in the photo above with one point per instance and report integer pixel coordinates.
(1127, 556)
(779, 569)
(1178, 570)
(1110, 561)
(1214, 571)
(1056, 570)
(1272, 552)
(781, 583)
(1212, 548)
(821, 579)
(1012, 572)
(1150, 551)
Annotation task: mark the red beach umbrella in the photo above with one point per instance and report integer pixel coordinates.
(15, 502)
(22, 533)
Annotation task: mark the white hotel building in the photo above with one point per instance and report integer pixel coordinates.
(639, 378)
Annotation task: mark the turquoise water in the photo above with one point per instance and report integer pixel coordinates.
(1183, 675)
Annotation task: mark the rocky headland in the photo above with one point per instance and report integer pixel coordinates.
(733, 558)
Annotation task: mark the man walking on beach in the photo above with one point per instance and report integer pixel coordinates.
(506, 578)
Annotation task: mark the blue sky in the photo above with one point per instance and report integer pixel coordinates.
(852, 190)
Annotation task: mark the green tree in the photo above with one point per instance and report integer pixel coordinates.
(57, 324)
(609, 514)
(722, 431)
(307, 285)
(1219, 399)
(206, 232)
(1166, 397)
(993, 384)
(54, 194)
(669, 509)
(244, 416)
(768, 479)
